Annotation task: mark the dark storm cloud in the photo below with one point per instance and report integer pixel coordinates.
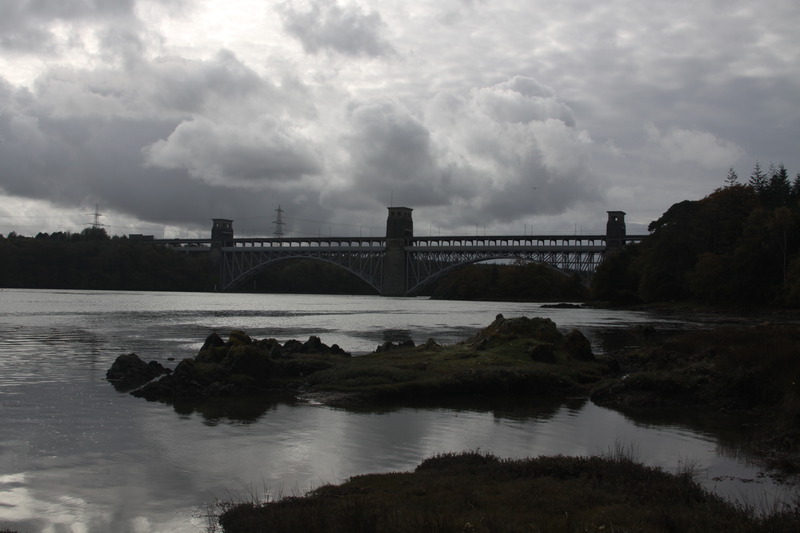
(729, 71)
(69, 159)
(346, 30)
(501, 151)
(181, 85)
(390, 149)
(521, 137)
(236, 155)
(25, 25)
(82, 161)
(160, 140)
(240, 129)
(170, 86)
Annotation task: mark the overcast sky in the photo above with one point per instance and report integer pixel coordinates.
(495, 116)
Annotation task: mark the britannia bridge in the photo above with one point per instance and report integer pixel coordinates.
(399, 264)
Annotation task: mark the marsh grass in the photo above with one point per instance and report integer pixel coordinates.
(739, 368)
(460, 369)
(478, 492)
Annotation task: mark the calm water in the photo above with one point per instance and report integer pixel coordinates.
(75, 455)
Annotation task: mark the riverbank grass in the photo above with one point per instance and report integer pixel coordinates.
(481, 493)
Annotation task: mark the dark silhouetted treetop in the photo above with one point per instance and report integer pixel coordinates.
(758, 180)
(732, 178)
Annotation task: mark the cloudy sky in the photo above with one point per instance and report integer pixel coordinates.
(495, 116)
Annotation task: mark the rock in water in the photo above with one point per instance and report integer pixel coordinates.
(129, 372)
(578, 346)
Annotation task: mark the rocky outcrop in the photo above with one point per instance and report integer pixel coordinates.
(503, 330)
(577, 345)
(388, 345)
(544, 353)
(240, 365)
(573, 345)
(502, 359)
(129, 372)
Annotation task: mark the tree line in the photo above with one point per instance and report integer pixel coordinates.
(738, 246)
(93, 260)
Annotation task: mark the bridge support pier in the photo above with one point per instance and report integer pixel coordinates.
(399, 229)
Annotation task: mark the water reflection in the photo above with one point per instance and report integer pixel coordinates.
(729, 430)
(240, 409)
(397, 335)
(171, 460)
(505, 408)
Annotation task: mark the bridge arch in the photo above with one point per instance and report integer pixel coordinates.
(244, 277)
(421, 277)
(239, 266)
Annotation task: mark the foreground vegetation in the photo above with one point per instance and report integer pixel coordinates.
(474, 492)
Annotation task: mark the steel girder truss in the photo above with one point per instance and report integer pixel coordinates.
(423, 266)
(239, 264)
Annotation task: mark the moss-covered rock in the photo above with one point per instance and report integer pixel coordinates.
(577, 346)
(506, 329)
(240, 366)
(544, 353)
(129, 371)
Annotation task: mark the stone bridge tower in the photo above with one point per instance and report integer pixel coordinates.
(615, 230)
(221, 232)
(399, 228)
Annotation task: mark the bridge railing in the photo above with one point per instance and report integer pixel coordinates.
(562, 242)
(518, 240)
(371, 243)
(508, 241)
(309, 242)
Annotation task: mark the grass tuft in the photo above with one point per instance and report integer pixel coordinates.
(477, 492)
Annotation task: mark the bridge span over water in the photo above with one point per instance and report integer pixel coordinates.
(399, 264)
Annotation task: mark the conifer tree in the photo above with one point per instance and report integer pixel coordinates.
(732, 178)
(795, 194)
(758, 180)
(778, 187)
